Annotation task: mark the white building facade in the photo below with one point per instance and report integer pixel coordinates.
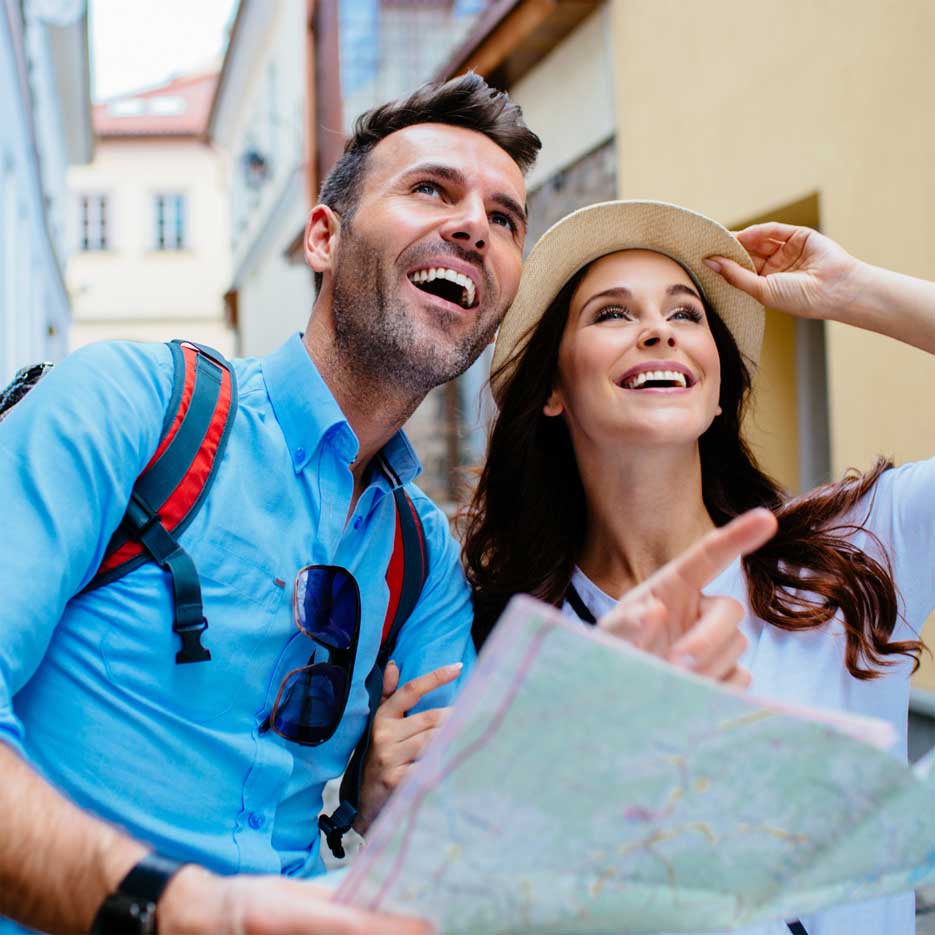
(258, 120)
(149, 222)
(45, 126)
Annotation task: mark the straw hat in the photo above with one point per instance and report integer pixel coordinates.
(597, 230)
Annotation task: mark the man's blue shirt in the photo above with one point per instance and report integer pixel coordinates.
(90, 693)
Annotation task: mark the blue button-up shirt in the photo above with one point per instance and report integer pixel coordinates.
(90, 693)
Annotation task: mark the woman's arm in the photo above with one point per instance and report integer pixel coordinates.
(804, 273)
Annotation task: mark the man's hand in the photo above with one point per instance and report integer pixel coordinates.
(197, 901)
(798, 271)
(667, 614)
(397, 741)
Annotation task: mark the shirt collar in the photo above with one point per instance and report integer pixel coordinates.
(309, 414)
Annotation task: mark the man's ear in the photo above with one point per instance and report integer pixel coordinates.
(554, 405)
(321, 236)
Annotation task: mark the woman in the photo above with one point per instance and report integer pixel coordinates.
(621, 373)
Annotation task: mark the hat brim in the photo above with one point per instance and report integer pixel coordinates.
(612, 226)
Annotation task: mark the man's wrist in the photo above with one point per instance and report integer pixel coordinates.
(131, 906)
(192, 902)
(115, 856)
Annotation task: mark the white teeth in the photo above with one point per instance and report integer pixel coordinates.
(440, 272)
(669, 376)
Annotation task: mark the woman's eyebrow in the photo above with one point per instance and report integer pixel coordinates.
(681, 289)
(614, 292)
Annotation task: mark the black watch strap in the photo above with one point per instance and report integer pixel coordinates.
(131, 908)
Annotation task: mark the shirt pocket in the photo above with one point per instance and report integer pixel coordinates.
(245, 608)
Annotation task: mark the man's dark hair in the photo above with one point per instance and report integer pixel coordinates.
(467, 101)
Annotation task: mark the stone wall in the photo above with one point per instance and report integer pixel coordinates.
(591, 179)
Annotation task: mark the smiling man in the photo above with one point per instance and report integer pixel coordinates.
(131, 781)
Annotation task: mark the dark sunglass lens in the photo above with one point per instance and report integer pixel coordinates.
(328, 605)
(311, 704)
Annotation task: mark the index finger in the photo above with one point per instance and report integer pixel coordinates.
(708, 557)
(413, 692)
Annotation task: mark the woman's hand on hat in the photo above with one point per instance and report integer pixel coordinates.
(798, 271)
(669, 616)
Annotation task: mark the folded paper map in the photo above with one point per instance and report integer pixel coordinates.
(580, 785)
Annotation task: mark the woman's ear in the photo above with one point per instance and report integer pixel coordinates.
(554, 405)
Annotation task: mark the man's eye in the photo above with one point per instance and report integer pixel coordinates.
(503, 220)
(426, 188)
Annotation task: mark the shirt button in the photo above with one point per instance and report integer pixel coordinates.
(357, 522)
(256, 821)
(300, 454)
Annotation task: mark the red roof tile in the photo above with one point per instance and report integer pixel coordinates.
(179, 108)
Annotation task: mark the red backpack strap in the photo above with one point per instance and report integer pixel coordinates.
(406, 574)
(173, 485)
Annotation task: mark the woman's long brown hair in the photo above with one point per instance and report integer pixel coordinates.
(525, 526)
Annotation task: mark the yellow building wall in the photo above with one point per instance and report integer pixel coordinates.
(734, 109)
(771, 425)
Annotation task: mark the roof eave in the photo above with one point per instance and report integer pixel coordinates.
(513, 36)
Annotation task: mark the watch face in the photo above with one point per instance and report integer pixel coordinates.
(126, 915)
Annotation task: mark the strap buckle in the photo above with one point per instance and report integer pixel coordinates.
(192, 650)
(335, 826)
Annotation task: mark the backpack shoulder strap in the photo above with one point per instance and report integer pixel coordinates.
(405, 577)
(173, 486)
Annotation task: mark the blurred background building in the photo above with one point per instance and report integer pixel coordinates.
(45, 126)
(148, 226)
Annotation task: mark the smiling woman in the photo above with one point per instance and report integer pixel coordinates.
(621, 372)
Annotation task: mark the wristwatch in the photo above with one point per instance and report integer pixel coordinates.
(131, 909)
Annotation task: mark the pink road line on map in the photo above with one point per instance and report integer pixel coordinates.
(495, 722)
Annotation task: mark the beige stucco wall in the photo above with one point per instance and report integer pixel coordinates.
(735, 108)
(568, 98)
(133, 290)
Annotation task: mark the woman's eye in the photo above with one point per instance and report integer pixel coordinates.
(686, 313)
(612, 313)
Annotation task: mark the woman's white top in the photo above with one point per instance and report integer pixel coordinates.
(807, 667)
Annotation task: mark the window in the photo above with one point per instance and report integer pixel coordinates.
(93, 221)
(170, 232)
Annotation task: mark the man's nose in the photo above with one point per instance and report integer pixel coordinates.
(468, 225)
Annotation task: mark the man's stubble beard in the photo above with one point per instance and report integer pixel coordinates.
(378, 336)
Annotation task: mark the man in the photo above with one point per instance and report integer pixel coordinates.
(106, 742)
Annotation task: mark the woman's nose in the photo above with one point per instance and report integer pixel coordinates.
(658, 334)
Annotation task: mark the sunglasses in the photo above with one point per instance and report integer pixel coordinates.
(311, 699)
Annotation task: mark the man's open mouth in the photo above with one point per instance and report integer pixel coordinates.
(445, 284)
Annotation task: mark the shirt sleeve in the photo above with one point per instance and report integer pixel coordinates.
(70, 452)
(439, 631)
(902, 517)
